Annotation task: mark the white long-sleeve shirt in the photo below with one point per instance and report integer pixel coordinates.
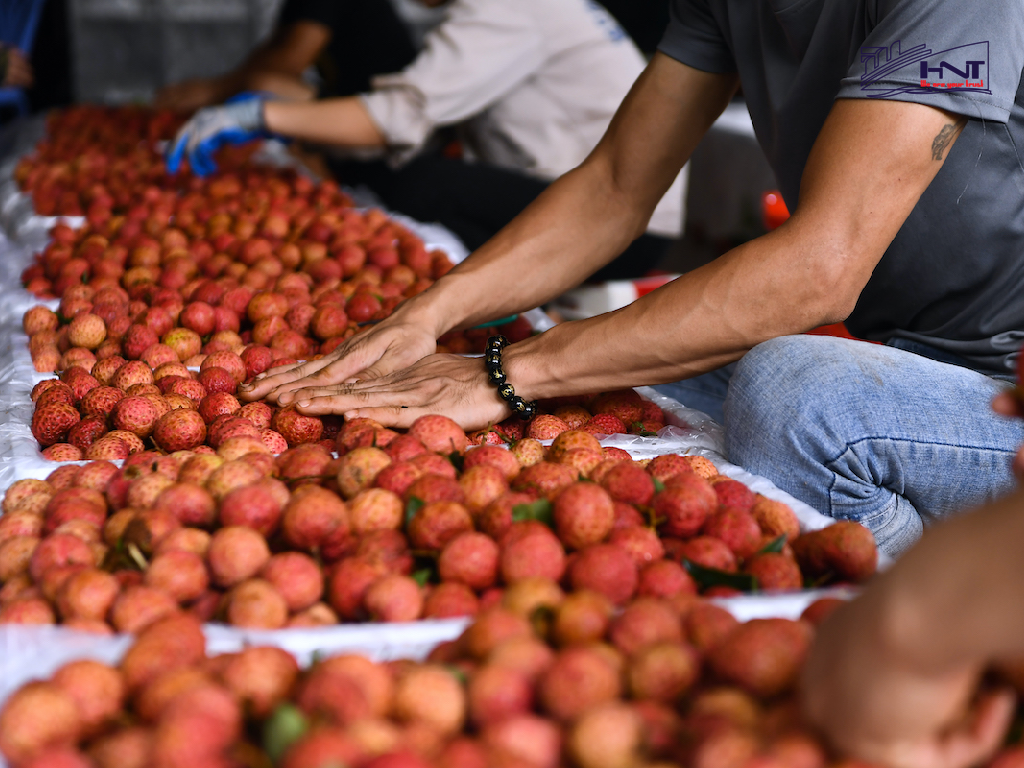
(535, 84)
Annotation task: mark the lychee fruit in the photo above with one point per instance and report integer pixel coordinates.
(583, 515)
(579, 679)
(439, 434)
(470, 559)
(605, 568)
(236, 554)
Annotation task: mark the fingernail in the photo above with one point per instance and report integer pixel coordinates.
(247, 385)
(261, 376)
(304, 404)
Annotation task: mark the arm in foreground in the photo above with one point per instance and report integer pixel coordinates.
(583, 221)
(892, 676)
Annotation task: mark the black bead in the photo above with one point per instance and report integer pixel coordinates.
(528, 412)
(517, 404)
(506, 391)
(492, 360)
(496, 377)
(497, 341)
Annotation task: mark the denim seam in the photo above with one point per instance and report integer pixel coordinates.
(849, 446)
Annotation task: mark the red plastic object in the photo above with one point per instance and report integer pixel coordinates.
(645, 285)
(773, 210)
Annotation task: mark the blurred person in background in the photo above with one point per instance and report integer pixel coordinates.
(528, 88)
(346, 42)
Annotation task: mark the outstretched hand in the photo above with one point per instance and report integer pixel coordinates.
(237, 122)
(379, 351)
(450, 385)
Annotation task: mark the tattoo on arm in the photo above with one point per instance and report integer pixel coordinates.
(946, 137)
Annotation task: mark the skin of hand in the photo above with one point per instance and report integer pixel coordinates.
(1009, 404)
(870, 697)
(19, 70)
(394, 344)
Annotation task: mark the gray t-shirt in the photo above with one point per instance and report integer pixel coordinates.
(953, 277)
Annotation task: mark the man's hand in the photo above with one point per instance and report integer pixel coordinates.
(874, 702)
(1009, 404)
(19, 70)
(236, 123)
(190, 95)
(383, 349)
(449, 385)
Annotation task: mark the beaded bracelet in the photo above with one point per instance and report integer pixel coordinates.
(523, 409)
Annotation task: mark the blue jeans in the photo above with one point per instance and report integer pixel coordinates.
(880, 435)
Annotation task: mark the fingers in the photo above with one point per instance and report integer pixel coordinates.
(200, 153)
(978, 738)
(1007, 404)
(265, 384)
(344, 400)
(306, 394)
(383, 367)
(390, 416)
(337, 371)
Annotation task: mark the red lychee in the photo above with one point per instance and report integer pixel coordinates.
(607, 569)
(583, 515)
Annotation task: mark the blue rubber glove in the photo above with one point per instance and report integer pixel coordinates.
(237, 122)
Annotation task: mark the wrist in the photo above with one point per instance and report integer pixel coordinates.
(520, 406)
(271, 116)
(523, 368)
(431, 310)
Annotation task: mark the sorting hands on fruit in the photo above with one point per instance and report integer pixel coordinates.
(266, 421)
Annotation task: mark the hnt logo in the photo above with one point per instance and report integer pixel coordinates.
(890, 71)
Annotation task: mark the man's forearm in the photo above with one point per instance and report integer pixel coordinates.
(575, 227)
(705, 319)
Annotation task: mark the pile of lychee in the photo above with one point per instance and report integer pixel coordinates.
(297, 284)
(541, 680)
(396, 528)
(94, 160)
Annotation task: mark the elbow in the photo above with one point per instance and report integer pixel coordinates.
(835, 286)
